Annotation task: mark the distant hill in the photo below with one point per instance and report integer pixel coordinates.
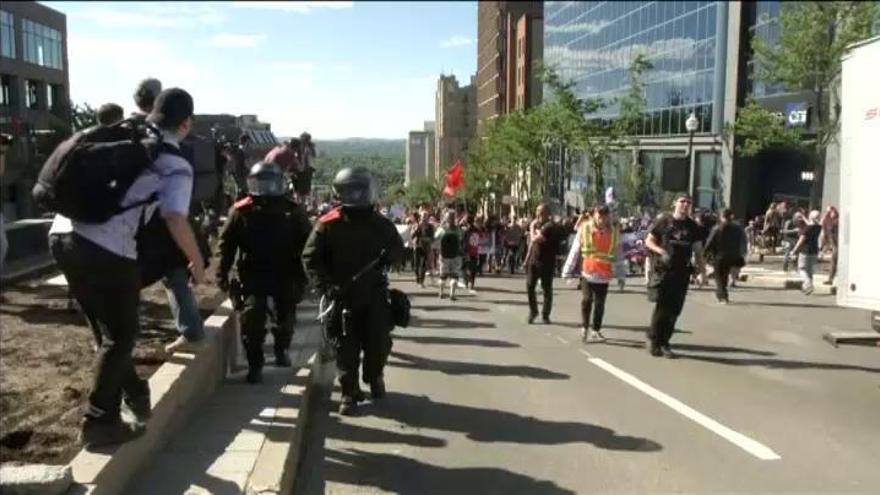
(386, 157)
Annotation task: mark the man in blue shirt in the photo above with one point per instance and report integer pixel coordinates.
(105, 279)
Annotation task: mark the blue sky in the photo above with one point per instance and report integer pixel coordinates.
(336, 69)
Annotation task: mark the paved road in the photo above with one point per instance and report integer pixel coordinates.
(480, 402)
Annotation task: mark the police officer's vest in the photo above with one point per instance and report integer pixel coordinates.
(598, 249)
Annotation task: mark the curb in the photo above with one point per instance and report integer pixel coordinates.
(785, 283)
(277, 466)
(177, 388)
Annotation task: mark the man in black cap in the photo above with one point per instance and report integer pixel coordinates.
(104, 276)
(673, 239)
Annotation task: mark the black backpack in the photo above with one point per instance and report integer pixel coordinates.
(87, 176)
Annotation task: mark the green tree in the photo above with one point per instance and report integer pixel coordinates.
(813, 37)
(629, 125)
(424, 190)
(83, 116)
(759, 129)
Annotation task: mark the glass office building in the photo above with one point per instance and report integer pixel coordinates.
(593, 44)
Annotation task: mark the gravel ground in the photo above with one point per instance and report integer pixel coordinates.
(47, 359)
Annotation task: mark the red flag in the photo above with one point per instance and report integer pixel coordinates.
(454, 179)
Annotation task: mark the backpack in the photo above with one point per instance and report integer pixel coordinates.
(450, 243)
(87, 176)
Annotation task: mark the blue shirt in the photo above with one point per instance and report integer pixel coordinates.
(170, 178)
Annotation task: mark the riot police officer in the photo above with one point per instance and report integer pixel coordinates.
(267, 231)
(346, 256)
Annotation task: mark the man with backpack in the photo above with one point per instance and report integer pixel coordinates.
(103, 249)
(160, 258)
(451, 251)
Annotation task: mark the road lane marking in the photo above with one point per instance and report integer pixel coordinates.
(561, 339)
(753, 447)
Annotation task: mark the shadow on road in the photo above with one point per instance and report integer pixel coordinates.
(508, 302)
(819, 305)
(454, 341)
(721, 348)
(489, 425)
(779, 363)
(398, 474)
(449, 323)
(410, 361)
(451, 307)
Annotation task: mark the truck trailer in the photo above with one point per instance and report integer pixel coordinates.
(858, 284)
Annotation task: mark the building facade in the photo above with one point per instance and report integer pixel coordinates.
(34, 96)
(497, 41)
(703, 65)
(419, 156)
(456, 121)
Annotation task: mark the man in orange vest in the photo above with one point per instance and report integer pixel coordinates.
(597, 245)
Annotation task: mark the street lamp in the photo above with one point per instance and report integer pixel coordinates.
(691, 124)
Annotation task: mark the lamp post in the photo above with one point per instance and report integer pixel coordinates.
(691, 124)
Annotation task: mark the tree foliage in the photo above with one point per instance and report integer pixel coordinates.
(759, 129)
(385, 158)
(83, 116)
(813, 36)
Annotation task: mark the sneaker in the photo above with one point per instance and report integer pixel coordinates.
(282, 359)
(546, 320)
(596, 336)
(472, 292)
(139, 408)
(654, 350)
(584, 335)
(666, 351)
(531, 318)
(183, 344)
(97, 433)
(377, 388)
(254, 376)
(347, 406)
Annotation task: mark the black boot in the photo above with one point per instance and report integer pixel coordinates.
(282, 359)
(139, 407)
(254, 375)
(377, 388)
(102, 433)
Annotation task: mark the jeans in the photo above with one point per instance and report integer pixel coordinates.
(722, 276)
(421, 264)
(593, 293)
(806, 267)
(787, 246)
(107, 288)
(183, 304)
(670, 301)
(544, 273)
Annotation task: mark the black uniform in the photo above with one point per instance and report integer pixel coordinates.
(669, 282)
(268, 233)
(343, 242)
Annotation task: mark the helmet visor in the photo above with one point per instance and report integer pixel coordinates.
(267, 186)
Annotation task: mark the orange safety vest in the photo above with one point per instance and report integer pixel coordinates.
(598, 248)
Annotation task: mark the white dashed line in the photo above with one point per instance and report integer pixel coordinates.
(753, 447)
(561, 339)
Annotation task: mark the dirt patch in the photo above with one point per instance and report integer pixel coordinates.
(46, 363)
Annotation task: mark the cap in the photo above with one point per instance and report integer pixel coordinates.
(172, 107)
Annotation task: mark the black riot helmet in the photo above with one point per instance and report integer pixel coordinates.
(355, 187)
(266, 179)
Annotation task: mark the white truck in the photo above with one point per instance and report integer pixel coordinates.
(859, 256)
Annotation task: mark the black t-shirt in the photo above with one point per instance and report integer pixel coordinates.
(549, 247)
(423, 235)
(811, 246)
(677, 237)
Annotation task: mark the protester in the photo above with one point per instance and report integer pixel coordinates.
(109, 114)
(772, 226)
(473, 232)
(597, 244)
(673, 240)
(807, 249)
(513, 238)
(541, 262)
(725, 247)
(103, 267)
(181, 300)
(422, 238)
(830, 226)
(790, 232)
(451, 252)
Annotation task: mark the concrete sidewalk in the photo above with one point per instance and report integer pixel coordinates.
(217, 451)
